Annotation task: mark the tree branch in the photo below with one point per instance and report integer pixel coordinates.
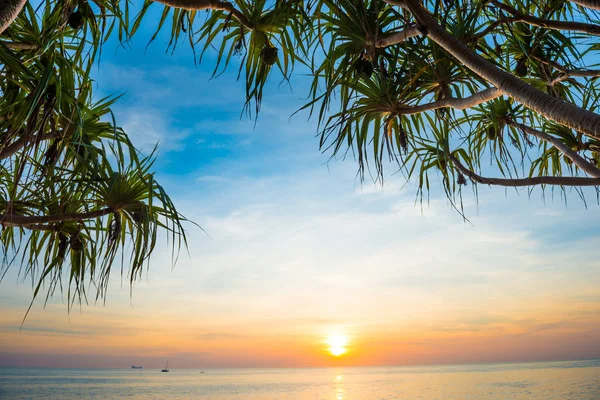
(399, 37)
(209, 5)
(11, 220)
(555, 109)
(19, 45)
(9, 10)
(547, 23)
(518, 182)
(578, 73)
(492, 26)
(456, 103)
(567, 73)
(595, 4)
(18, 144)
(579, 161)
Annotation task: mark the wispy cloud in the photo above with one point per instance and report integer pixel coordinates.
(147, 128)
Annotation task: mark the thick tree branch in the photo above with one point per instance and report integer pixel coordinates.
(555, 109)
(18, 144)
(399, 37)
(549, 24)
(595, 4)
(518, 182)
(456, 103)
(9, 10)
(209, 5)
(579, 161)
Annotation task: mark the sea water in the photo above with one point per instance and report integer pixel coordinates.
(551, 380)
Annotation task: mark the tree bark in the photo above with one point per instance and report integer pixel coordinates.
(456, 103)
(209, 5)
(568, 73)
(595, 4)
(519, 182)
(9, 10)
(11, 220)
(20, 45)
(579, 161)
(550, 107)
(547, 23)
(18, 144)
(399, 37)
(576, 73)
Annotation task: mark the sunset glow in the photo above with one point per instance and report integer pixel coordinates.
(337, 344)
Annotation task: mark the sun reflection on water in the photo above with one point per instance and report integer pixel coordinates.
(339, 388)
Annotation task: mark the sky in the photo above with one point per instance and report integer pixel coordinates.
(296, 250)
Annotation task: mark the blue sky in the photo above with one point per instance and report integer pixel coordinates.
(297, 248)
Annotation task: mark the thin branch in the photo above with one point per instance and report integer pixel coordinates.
(566, 73)
(209, 5)
(20, 45)
(518, 182)
(11, 220)
(579, 161)
(399, 37)
(595, 4)
(456, 103)
(577, 73)
(549, 24)
(492, 26)
(536, 21)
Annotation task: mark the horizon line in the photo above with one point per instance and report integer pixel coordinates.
(324, 367)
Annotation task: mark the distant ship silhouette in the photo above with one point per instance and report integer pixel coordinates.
(136, 367)
(166, 368)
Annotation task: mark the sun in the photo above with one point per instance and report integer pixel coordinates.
(337, 344)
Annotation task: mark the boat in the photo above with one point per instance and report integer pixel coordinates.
(136, 367)
(166, 368)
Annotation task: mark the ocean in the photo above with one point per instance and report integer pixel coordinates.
(549, 380)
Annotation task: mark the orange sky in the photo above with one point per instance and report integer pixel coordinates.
(543, 327)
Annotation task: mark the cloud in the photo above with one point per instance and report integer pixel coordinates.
(222, 143)
(147, 128)
(216, 179)
(306, 245)
(171, 87)
(219, 336)
(42, 330)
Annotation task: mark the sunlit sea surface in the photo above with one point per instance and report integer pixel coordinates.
(555, 380)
